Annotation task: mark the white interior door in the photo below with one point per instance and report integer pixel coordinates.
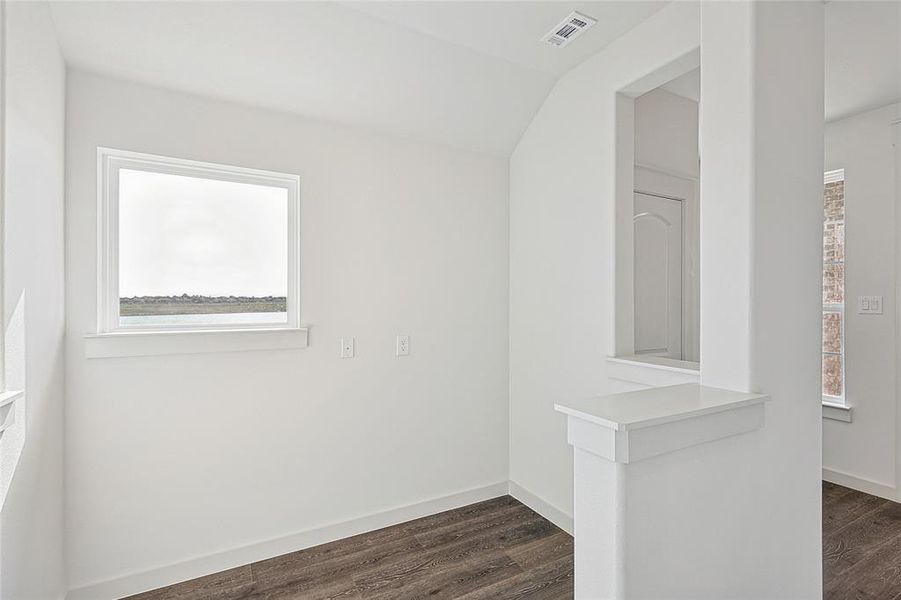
(657, 254)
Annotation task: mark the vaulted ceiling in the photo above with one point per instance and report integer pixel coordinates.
(468, 74)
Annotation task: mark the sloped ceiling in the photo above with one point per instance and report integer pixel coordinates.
(467, 74)
(687, 85)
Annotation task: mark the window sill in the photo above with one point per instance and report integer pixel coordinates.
(836, 411)
(656, 362)
(157, 343)
(648, 371)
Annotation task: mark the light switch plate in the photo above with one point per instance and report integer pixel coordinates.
(869, 305)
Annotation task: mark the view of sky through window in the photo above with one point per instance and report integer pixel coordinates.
(190, 246)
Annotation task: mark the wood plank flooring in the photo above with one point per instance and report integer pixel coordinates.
(861, 546)
(499, 549)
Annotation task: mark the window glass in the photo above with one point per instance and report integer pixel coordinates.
(200, 251)
(832, 332)
(833, 286)
(832, 375)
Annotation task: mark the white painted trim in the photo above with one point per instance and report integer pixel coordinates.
(134, 583)
(110, 161)
(833, 176)
(651, 408)
(836, 412)
(670, 172)
(157, 343)
(636, 371)
(632, 426)
(660, 364)
(861, 484)
(558, 517)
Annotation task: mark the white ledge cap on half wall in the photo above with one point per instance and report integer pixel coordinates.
(634, 425)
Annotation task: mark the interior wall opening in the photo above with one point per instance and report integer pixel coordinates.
(658, 223)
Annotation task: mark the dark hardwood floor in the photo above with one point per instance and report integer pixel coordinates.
(499, 549)
(861, 546)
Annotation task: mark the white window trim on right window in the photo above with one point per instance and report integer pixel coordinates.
(835, 407)
(111, 339)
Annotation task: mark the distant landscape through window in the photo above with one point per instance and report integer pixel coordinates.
(201, 251)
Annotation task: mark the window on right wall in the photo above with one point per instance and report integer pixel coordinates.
(834, 287)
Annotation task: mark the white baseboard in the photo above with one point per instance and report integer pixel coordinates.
(861, 484)
(143, 581)
(544, 508)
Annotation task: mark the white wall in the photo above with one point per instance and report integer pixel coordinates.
(666, 132)
(865, 450)
(176, 457)
(562, 254)
(762, 67)
(31, 522)
(761, 257)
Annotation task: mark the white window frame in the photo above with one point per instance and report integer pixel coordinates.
(835, 407)
(109, 162)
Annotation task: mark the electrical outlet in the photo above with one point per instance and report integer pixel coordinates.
(347, 347)
(403, 345)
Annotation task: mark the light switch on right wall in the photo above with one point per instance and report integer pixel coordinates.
(869, 305)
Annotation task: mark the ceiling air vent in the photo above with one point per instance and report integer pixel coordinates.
(568, 30)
